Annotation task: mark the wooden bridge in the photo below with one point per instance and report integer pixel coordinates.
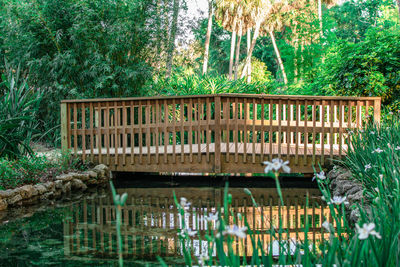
(229, 133)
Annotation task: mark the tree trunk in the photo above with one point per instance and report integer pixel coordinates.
(248, 49)
(320, 17)
(159, 35)
(233, 42)
(398, 6)
(237, 57)
(171, 45)
(208, 36)
(250, 52)
(166, 36)
(278, 55)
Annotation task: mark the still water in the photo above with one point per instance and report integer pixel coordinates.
(80, 231)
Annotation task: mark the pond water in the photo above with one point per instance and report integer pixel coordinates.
(80, 231)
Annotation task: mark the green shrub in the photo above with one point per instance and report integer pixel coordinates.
(19, 105)
(183, 84)
(35, 168)
(367, 68)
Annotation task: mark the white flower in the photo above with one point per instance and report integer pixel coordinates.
(397, 148)
(187, 231)
(350, 132)
(212, 217)
(372, 132)
(184, 203)
(337, 200)
(202, 259)
(376, 189)
(276, 164)
(235, 230)
(320, 176)
(378, 150)
(327, 226)
(390, 113)
(368, 166)
(367, 230)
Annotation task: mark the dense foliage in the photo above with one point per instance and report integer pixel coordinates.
(86, 49)
(77, 49)
(367, 68)
(19, 105)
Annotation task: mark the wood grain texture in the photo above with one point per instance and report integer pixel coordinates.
(213, 133)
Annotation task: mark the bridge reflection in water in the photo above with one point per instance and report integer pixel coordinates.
(150, 220)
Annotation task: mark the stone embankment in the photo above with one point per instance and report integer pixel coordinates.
(60, 187)
(343, 185)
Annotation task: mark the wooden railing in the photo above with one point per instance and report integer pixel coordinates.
(230, 133)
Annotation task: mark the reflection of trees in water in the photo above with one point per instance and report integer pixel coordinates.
(150, 220)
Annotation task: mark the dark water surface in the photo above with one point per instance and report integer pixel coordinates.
(80, 231)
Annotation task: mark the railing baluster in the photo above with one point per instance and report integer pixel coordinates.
(116, 141)
(341, 120)
(279, 118)
(132, 133)
(245, 114)
(91, 131)
(124, 134)
(107, 125)
(297, 132)
(271, 114)
(236, 131)
(288, 120)
(148, 133)
(262, 152)
(166, 133)
(157, 129)
(173, 131)
(331, 108)
(254, 137)
(322, 141)
(217, 134)
(199, 113)
(190, 133)
(182, 121)
(140, 118)
(305, 133)
(314, 136)
(75, 129)
(99, 133)
(208, 133)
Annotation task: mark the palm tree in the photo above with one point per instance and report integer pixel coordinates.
(259, 13)
(275, 22)
(227, 14)
(208, 35)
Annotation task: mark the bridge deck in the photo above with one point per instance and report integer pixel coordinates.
(194, 149)
(213, 133)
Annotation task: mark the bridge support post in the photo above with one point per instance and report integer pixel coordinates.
(217, 155)
(64, 127)
(377, 111)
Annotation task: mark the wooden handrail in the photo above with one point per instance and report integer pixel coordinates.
(213, 133)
